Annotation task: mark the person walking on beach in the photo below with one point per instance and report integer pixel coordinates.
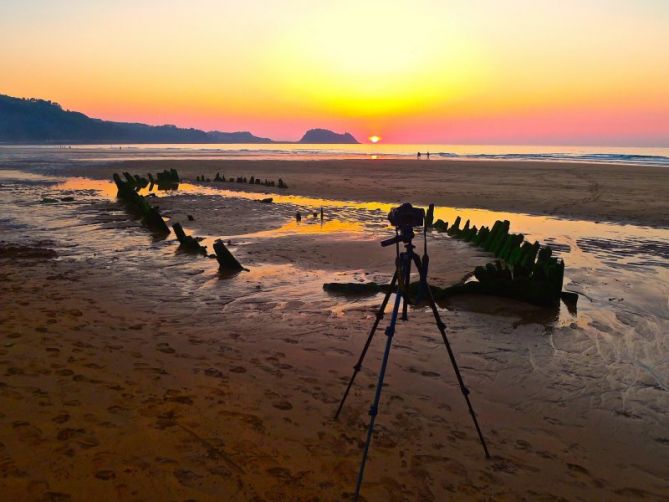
(418, 156)
(428, 155)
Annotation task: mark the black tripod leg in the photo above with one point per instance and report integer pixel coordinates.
(456, 369)
(358, 365)
(390, 331)
(405, 309)
(407, 282)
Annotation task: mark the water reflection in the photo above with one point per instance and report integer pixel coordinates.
(581, 243)
(311, 227)
(108, 188)
(103, 187)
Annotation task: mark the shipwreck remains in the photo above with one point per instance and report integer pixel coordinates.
(166, 180)
(226, 261)
(139, 205)
(128, 193)
(188, 243)
(252, 180)
(522, 271)
(525, 271)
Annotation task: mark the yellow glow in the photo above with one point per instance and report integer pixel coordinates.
(375, 139)
(277, 68)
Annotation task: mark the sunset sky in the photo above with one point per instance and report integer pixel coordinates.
(591, 72)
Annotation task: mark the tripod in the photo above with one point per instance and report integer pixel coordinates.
(400, 286)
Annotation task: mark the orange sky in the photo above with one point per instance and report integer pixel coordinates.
(572, 72)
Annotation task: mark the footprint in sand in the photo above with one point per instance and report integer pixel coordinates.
(165, 347)
(214, 373)
(56, 497)
(186, 477)
(116, 409)
(635, 493)
(238, 369)
(580, 471)
(79, 436)
(28, 433)
(166, 420)
(105, 475)
(281, 473)
(176, 396)
(577, 468)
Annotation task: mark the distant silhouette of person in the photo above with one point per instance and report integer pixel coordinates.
(428, 155)
(418, 155)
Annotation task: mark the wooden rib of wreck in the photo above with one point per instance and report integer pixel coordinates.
(226, 261)
(188, 243)
(139, 205)
(524, 271)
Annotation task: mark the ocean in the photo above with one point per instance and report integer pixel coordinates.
(291, 151)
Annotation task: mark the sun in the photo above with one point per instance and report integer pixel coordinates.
(375, 139)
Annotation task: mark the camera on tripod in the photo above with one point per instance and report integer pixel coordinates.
(406, 216)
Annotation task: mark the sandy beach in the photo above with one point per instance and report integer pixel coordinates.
(599, 192)
(132, 371)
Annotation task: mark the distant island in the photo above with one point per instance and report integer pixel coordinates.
(40, 121)
(324, 136)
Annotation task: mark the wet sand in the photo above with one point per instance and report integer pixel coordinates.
(132, 371)
(599, 192)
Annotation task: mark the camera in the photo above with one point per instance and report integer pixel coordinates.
(406, 216)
